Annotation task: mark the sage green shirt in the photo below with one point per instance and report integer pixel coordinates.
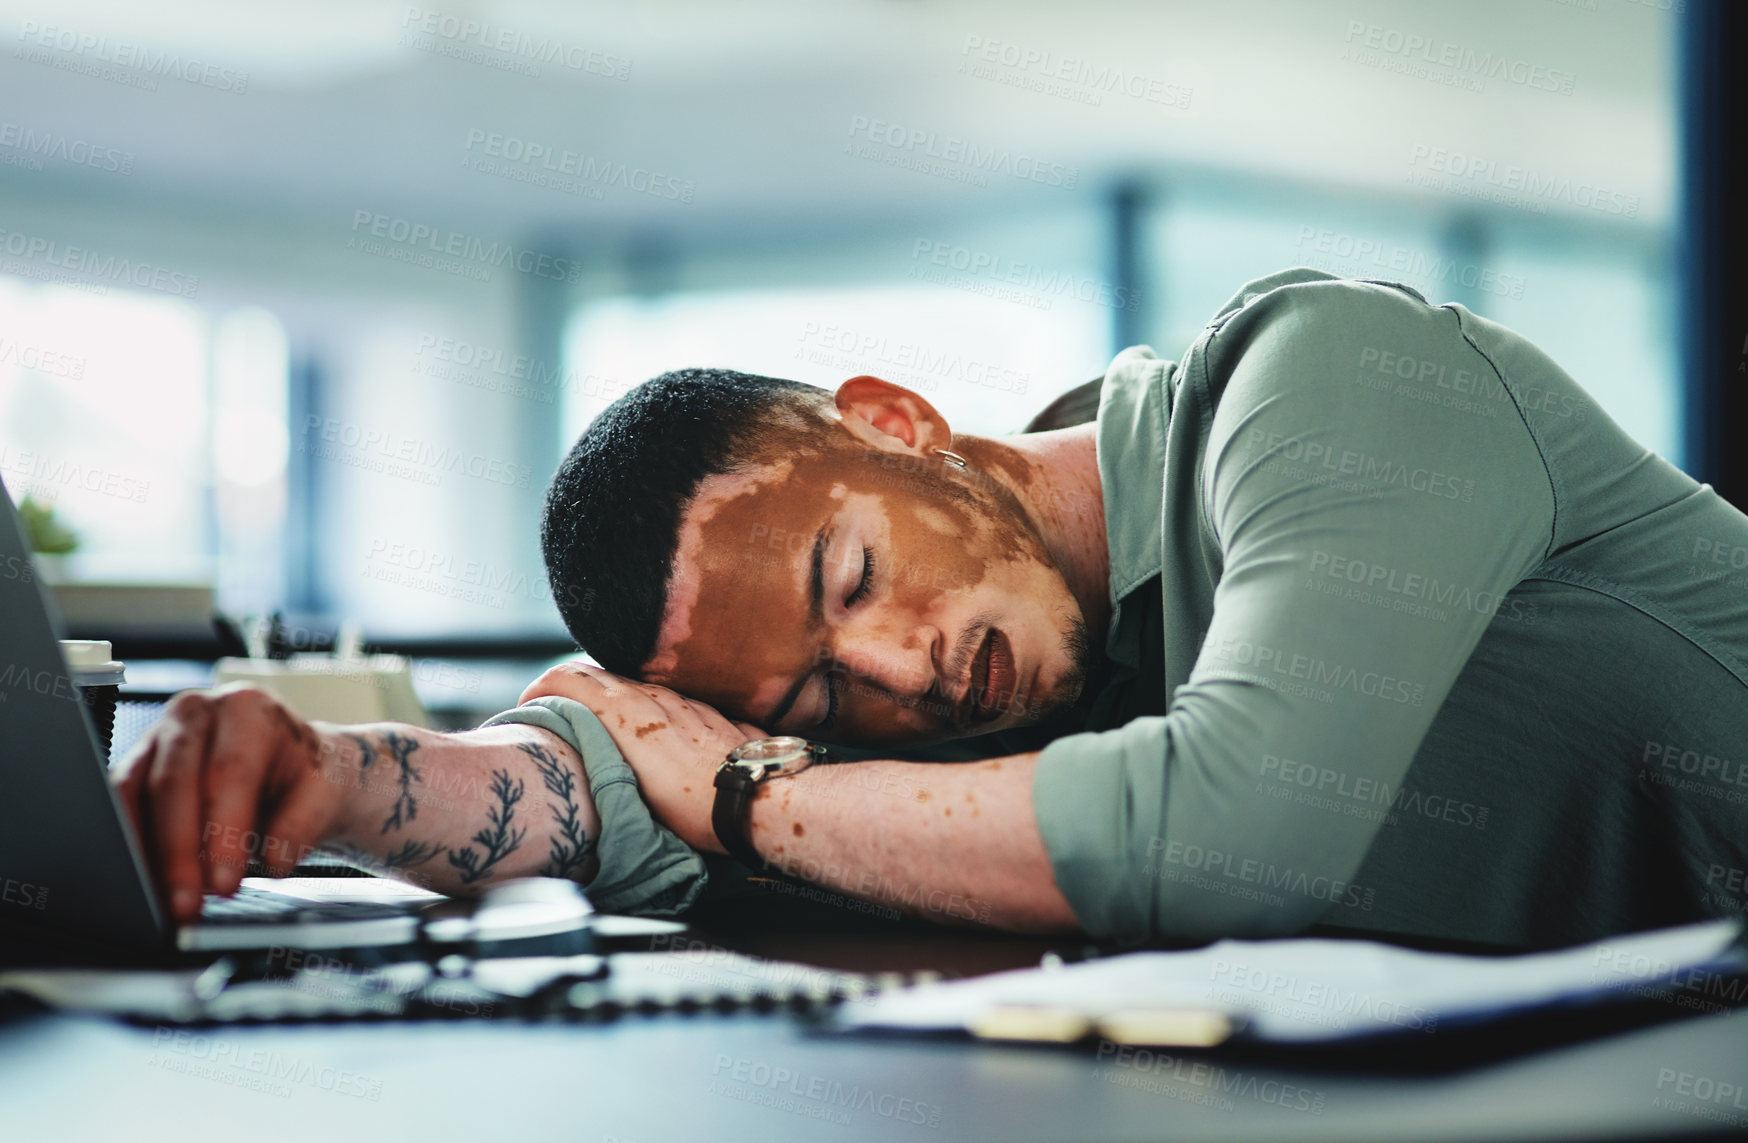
(1409, 636)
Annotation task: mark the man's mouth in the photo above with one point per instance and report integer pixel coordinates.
(993, 677)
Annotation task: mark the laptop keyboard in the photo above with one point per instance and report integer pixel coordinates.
(257, 905)
(254, 904)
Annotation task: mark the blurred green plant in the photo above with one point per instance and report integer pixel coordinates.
(45, 533)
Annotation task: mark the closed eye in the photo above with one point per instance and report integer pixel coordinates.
(867, 583)
(864, 587)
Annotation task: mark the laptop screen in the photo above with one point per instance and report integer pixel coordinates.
(67, 858)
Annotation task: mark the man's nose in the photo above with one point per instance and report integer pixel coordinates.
(900, 659)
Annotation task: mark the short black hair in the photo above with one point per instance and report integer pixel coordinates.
(611, 524)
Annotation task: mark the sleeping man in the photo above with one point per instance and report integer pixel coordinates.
(1362, 614)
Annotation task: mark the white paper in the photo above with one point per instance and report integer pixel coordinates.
(1306, 990)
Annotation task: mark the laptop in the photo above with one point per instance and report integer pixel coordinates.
(70, 863)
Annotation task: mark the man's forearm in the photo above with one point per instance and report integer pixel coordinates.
(946, 841)
(456, 812)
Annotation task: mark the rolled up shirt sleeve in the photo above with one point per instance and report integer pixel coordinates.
(645, 868)
(1335, 509)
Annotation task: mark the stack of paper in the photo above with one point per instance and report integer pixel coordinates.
(1309, 990)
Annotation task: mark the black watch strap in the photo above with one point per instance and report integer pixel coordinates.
(728, 817)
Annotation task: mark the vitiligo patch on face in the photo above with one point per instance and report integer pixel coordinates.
(684, 587)
(935, 519)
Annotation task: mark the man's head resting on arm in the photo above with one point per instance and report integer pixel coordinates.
(809, 562)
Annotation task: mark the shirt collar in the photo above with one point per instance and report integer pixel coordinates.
(1135, 405)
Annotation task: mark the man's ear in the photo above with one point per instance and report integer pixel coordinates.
(890, 417)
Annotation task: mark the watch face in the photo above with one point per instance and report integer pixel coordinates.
(781, 755)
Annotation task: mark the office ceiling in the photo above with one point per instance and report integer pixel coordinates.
(349, 106)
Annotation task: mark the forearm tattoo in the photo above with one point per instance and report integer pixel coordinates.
(406, 807)
(366, 757)
(568, 847)
(500, 839)
(572, 844)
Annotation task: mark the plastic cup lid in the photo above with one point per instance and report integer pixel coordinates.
(92, 660)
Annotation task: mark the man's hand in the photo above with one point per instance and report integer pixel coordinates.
(881, 831)
(232, 774)
(674, 744)
(223, 773)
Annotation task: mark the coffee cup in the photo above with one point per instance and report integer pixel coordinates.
(98, 675)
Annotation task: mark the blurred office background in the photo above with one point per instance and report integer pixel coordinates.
(306, 300)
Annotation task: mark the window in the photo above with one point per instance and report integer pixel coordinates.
(154, 431)
(986, 363)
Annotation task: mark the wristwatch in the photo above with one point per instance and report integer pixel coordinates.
(746, 766)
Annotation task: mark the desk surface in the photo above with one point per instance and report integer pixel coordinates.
(766, 1078)
(754, 1078)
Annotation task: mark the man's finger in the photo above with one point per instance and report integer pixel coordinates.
(609, 681)
(624, 694)
(173, 789)
(719, 723)
(242, 740)
(709, 717)
(567, 680)
(618, 702)
(296, 827)
(681, 711)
